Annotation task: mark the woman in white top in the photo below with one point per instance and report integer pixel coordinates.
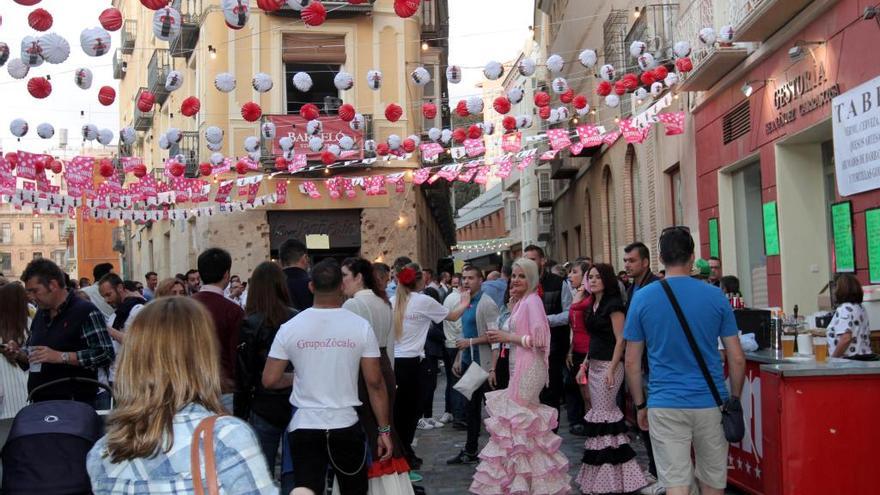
(14, 323)
(413, 315)
(849, 333)
(368, 300)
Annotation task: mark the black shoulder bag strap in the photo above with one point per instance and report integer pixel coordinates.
(693, 343)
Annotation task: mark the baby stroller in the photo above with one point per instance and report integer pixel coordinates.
(47, 446)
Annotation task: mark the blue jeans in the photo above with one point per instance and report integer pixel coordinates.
(269, 436)
(455, 402)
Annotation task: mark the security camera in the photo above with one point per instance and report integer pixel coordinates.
(796, 53)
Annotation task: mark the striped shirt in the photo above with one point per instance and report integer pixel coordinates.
(241, 467)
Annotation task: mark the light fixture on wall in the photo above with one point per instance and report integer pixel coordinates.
(637, 13)
(425, 46)
(212, 51)
(797, 52)
(748, 88)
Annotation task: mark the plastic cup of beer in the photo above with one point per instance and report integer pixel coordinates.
(788, 346)
(820, 349)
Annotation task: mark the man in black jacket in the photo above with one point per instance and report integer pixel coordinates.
(294, 259)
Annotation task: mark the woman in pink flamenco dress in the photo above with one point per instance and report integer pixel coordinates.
(522, 456)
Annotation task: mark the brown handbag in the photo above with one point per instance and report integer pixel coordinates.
(205, 430)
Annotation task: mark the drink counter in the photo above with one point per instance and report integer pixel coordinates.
(810, 427)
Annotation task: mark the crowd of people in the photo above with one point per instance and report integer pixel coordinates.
(313, 373)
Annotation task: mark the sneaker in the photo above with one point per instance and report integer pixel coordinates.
(415, 477)
(446, 418)
(463, 458)
(435, 423)
(424, 425)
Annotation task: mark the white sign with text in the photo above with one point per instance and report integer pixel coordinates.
(856, 122)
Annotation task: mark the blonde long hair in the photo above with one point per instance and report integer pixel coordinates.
(170, 359)
(401, 299)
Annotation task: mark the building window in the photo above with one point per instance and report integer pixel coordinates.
(635, 189)
(588, 221)
(545, 187)
(37, 255)
(322, 86)
(60, 229)
(38, 233)
(21, 256)
(6, 233)
(21, 226)
(58, 257)
(749, 230)
(5, 262)
(564, 246)
(511, 213)
(51, 226)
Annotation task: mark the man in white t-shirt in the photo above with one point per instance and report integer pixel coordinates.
(328, 346)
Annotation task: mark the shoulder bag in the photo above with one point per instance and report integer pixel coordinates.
(205, 430)
(731, 411)
(473, 378)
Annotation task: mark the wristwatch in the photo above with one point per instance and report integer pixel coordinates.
(65, 358)
(641, 406)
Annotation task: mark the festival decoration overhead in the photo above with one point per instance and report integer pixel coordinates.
(146, 101)
(357, 123)
(708, 36)
(681, 49)
(166, 23)
(111, 19)
(527, 67)
(453, 74)
(224, 82)
(347, 112)
(39, 87)
(314, 127)
(127, 135)
(555, 63)
(53, 48)
(214, 134)
(406, 8)
(270, 5)
(374, 79)
(105, 137)
(309, 111)
(106, 96)
(90, 132)
(154, 4)
(515, 95)
(4, 53)
(474, 105)
(298, 5)
(262, 82)
(493, 70)
(429, 110)
(190, 106)
(45, 130)
(83, 78)
(302, 81)
(268, 130)
(236, 13)
(173, 81)
(343, 81)
(314, 14)
(40, 20)
(588, 58)
(31, 52)
(27, 3)
(420, 76)
(251, 112)
(95, 41)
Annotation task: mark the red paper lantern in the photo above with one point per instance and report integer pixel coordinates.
(40, 19)
(357, 2)
(12, 159)
(604, 88)
(406, 8)
(461, 109)
(542, 99)
(106, 169)
(684, 64)
(327, 158)
(501, 105)
(146, 101)
(647, 78)
(309, 111)
(660, 73)
(567, 97)
(190, 106)
(474, 131)
(382, 149)
(579, 102)
(270, 5)
(27, 3)
(40, 164)
(459, 135)
(314, 14)
(409, 145)
(429, 110)
(241, 167)
(509, 123)
(111, 19)
(106, 96)
(176, 169)
(39, 87)
(347, 112)
(393, 112)
(251, 112)
(140, 170)
(619, 88)
(630, 82)
(205, 169)
(280, 163)
(544, 113)
(154, 4)
(56, 166)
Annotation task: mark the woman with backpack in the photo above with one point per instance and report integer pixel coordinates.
(268, 411)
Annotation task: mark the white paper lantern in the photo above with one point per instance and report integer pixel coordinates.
(90, 132)
(726, 34)
(334, 150)
(647, 62)
(267, 130)
(475, 105)
(215, 146)
(251, 144)
(671, 79)
(343, 81)
(640, 93)
(302, 81)
(314, 127)
(453, 74)
(370, 146)
(420, 76)
(346, 143)
(656, 88)
(515, 95)
(583, 111)
(55, 49)
(236, 13)
(316, 143)
(262, 82)
(31, 53)
(357, 123)
(394, 141)
(523, 121)
(105, 137)
(214, 134)
(127, 135)
(217, 158)
(493, 70)
(682, 49)
(434, 134)
(174, 135)
(554, 116)
(298, 5)
(17, 68)
(163, 142)
(286, 143)
(83, 78)
(707, 36)
(488, 128)
(637, 48)
(374, 79)
(606, 72)
(563, 113)
(95, 41)
(4, 53)
(588, 58)
(224, 82)
(555, 63)
(527, 67)
(18, 127)
(612, 100)
(559, 85)
(173, 81)
(255, 156)
(45, 130)
(445, 136)
(166, 23)
(415, 138)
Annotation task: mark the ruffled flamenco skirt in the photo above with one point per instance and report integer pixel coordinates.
(609, 465)
(522, 456)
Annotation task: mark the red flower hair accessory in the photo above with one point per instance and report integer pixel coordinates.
(407, 276)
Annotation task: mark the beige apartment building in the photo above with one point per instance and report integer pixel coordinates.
(25, 237)
(355, 39)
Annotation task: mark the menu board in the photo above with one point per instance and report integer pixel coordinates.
(872, 225)
(842, 230)
(771, 230)
(713, 238)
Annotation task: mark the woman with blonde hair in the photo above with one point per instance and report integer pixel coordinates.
(170, 287)
(522, 456)
(167, 394)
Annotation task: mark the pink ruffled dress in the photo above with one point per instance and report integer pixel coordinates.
(522, 456)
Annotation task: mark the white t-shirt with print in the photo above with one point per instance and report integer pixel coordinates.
(421, 311)
(325, 347)
(852, 318)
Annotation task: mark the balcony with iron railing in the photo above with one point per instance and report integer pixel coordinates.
(339, 8)
(710, 62)
(191, 17)
(143, 121)
(188, 149)
(120, 66)
(435, 19)
(157, 73)
(757, 20)
(127, 36)
(655, 26)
